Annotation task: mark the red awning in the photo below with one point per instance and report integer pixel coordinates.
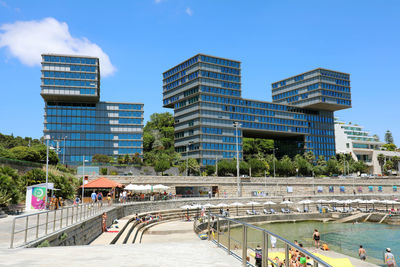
(102, 183)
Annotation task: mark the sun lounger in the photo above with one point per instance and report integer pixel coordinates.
(266, 211)
(248, 212)
(273, 211)
(298, 210)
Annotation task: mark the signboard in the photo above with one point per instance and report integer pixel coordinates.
(319, 189)
(342, 189)
(38, 197)
(331, 190)
(258, 194)
(290, 189)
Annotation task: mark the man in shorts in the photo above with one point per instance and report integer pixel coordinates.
(94, 197)
(362, 253)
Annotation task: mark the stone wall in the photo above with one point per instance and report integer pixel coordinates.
(271, 186)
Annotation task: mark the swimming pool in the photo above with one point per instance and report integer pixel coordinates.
(341, 237)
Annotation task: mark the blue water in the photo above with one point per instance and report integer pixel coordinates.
(345, 237)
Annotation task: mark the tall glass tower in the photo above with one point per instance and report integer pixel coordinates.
(76, 121)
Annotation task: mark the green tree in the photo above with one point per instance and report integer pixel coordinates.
(226, 167)
(136, 159)
(389, 137)
(42, 151)
(285, 166)
(126, 159)
(25, 153)
(258, 167)
(210, 170)
(310, 157)
(120, 160)
(332, 166)
(243, 167)
(303, 165)
(389, 147)
(162, 166)
(100, 158)
(103, 171)
(10, 184)
(360, 166)
(396, 160)
(381, 160)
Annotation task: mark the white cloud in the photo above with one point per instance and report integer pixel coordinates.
(189, 11)
(27, 40)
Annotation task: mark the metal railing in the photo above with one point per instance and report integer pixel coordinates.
(30, 227)
(228, 223)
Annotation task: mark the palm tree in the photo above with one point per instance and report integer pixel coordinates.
(396, 160)
(381, 160)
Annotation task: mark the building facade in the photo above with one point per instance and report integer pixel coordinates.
(353, 139)
(75, 120)
(205, 93)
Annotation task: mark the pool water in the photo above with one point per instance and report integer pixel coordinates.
(344, 238)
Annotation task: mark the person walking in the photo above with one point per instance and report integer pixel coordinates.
(273, 241)
(100, 198)
(389, 258)
(316, 237)
(258, 256)
(94, 197)
(362, 253)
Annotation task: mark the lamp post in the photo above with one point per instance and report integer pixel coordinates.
(187, 157)
(216, 166)
(273, 151)
(47, 137)
(83, 178)
(237, 125)
(64, 150)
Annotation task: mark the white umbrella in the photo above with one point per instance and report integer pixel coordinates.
(187, 207)
(252, 203)
(237, 204)
(269, 203)
(322, 201)
(129, 187)
(222, 205)
(287, 202)
(160, 187)
(208, 205)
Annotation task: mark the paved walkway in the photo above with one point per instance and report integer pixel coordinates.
(190, 253)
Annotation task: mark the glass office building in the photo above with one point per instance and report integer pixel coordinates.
(75, 119)
(205, 93)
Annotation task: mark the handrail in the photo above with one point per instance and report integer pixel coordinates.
(266, 233)
(50, 221)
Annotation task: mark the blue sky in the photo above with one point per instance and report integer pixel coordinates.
(141, 39)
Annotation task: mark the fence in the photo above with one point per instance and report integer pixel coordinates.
(20, 162)
(30, 227)
(222, 227)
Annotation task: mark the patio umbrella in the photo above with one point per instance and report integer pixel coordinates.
(304, 202)
(269, 203)
(252, 203)
(129, 187)
(187, 207)
(160, 187)
(286, 202)
(237, 204)
(222, 205)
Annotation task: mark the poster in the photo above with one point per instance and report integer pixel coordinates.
(38, 197)
(290, 189)
(370, 188)
(395, 188)
(319, 189)
(331, 189)
(379, 188)
(258, 194)
(359, 189)
(342, 189)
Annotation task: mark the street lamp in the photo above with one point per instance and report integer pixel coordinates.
(83, 177)
(64, 150)
(273, 151)
(237, 125)
(47, 137)
(187, 157)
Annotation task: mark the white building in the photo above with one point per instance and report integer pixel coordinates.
(353, 139)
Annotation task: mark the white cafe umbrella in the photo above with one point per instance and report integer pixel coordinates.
(236, 204)
(252, 203)
(208, 205)
(129, 187)
(160, 187)
(222, 205)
